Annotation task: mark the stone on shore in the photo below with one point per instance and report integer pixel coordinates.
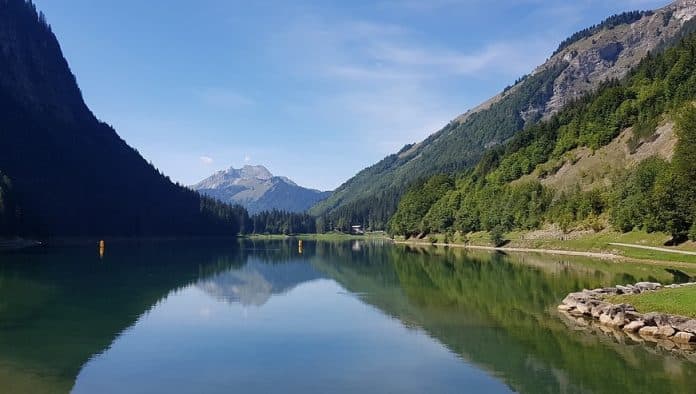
(684, 337)
(634, 326)
(649, 331)
(683, 324)
(665, 331)
(668, 331)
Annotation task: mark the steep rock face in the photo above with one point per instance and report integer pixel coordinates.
(258, 190)
(611, 53)
(574, 70)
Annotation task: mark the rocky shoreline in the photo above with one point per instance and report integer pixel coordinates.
(652, 326)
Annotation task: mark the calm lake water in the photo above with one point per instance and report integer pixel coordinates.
(261, 317)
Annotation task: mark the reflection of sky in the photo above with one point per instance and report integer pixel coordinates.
(314, 338)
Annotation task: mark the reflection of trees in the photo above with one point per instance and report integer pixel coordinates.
(59, 308)
(497, 312)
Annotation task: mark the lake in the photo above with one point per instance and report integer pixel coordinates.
(335, 317)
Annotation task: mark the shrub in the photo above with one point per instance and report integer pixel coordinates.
(498, 236)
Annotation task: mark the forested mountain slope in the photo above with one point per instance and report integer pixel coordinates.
(653, 193)
(582, 62)
(70, 173)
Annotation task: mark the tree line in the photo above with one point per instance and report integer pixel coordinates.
(624, 18)
(656, 195)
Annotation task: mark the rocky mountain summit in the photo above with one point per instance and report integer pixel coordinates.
(257, 189)
(612, 52)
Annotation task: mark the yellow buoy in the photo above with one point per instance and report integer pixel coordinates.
(101, 248)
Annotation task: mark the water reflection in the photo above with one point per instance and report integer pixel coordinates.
(340, 317)
(255, 282)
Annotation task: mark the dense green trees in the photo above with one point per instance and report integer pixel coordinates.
(9, 213)
(661, 196)
(370, 212)
(72, 175)
(655, 196)
(280, 222)
(416, 203)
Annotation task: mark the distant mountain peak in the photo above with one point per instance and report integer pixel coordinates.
(253, 171)
(257, 189)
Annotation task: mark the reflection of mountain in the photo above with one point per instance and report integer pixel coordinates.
(495, 312)
(60, 308)
(255, 282)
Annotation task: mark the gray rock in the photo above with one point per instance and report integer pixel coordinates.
(665, 332)
(573, 299)
(605, 319)
(684, 337)
(655, 319)
(648, 331)
(683, 324)
(601, 307)
(643, 286)
(583, 308)
(634, 326)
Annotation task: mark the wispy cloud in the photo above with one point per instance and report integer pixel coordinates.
(206, 160)
(223, 98)
(390, 84)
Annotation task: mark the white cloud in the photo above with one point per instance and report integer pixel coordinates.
(247, 159)
(206, 160)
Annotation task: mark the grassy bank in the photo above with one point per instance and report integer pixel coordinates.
(680, 301)
(582, 242)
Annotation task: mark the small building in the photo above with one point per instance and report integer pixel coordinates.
(357, 229)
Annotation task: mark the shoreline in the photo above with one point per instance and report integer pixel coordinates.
(599, 255)
(634, 246)
(599, 306)
(18, 244)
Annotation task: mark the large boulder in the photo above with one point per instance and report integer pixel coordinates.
(649, 331)
(683, 324)
(647, 286)
(634, 326)
(665, 332)
(656, 319)
(684, 337)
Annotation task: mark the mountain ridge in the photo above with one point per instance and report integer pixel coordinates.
(577, 69)
(257, 189)
(72, 174)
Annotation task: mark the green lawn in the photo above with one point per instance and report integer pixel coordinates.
(680, 301)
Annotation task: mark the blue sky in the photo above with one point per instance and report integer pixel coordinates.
(314, 90)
